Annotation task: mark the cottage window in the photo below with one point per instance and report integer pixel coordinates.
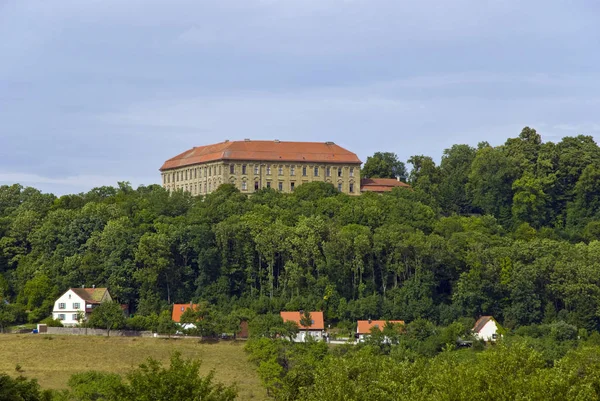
(61, 316)
(328, 171)
(280, 186)
(256, 169)
(351, 171)
(256, 185)
(280, 170)
(268, 169)
(339, 171)
(304, 171)
(340, 187)
(75, 305)
(293, 170)
(62, 305)
(243, 169)
(74, 317)
(351, 188)
(292, 184)
(316, 171)
(244, 186)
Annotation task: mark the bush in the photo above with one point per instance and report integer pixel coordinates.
(51, 322)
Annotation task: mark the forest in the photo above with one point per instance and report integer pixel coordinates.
(510, 231)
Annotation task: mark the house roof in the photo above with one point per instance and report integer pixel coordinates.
(364, 326)
(91, 295)
(274, 151)
(178, 310)
(381, 184)
(317, 320)
(481, 322)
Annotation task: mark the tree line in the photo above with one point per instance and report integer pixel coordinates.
(510, 231)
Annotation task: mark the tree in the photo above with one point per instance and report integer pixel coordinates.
(108, 315)
(306, 319)
(21, 388)
(166, 325)
(180, 381)
(383, 165)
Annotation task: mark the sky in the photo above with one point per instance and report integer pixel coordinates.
(100, 91)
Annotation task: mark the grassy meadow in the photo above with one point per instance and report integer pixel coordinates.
(53, 359)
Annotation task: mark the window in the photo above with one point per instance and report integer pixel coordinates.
(316, 171)
(340, 187)
(61, 316)
(210, 171)
(231, 169)
(186, 176)
(268, 184)
(244, 186)
(206, 171)
(219, 170)
(69, 296)
(280, 170)
(293, 170)
(339, 171)
(268, 169)
(351, 188)
(292, 184)
(204, 187)
(328, 171)
(196, 188)
(256, 169)
(304, 171)
(75, 305)
(209, 186)
(243, 169)
(75, 317)
(195, 173)
(351, 171)
(280, 186)
(62, 305)
(256, 185)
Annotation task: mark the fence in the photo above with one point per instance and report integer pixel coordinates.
(76, 331)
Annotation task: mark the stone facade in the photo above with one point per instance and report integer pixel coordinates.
(251, 175)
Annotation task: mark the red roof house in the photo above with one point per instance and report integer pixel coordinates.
(381, 185)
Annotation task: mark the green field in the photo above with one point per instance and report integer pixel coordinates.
(53, 359)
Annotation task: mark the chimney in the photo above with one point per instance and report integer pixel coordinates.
(329, 143)
(246, 139)
(276, 140)
(82, 285)
(369, 320)
(93, 285)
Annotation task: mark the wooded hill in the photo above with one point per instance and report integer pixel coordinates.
(509, 231)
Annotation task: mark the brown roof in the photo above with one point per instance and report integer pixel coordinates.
(178, 310)
(381, 184)
(275, 151)
(364, 326)
(317, 320)
(481, 322)
(91, 295)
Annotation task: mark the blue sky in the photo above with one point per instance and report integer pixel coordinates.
(99, 91)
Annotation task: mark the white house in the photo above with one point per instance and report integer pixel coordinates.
(78, 300)
(486, 329)
(316, 330)
(363, 327)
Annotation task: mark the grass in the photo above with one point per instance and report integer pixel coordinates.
(53, 359)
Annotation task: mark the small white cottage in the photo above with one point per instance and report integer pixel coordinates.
(486, 329)
(76, 302)
(316, 329)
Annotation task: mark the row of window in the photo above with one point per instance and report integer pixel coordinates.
(292, 170)
(194, 173)
(190, 174)
(292, 186)
(62, 316)
(63, 305)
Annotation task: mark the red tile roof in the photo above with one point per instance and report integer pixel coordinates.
(364, 326)
(178, 310)
(481, 322)
(317, 320)
(274, 151)
(381, 184)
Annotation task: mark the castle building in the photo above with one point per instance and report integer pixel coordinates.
(252, 165)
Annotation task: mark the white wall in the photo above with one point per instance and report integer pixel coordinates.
(70, 299)
(301, 336)
(487, 332)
